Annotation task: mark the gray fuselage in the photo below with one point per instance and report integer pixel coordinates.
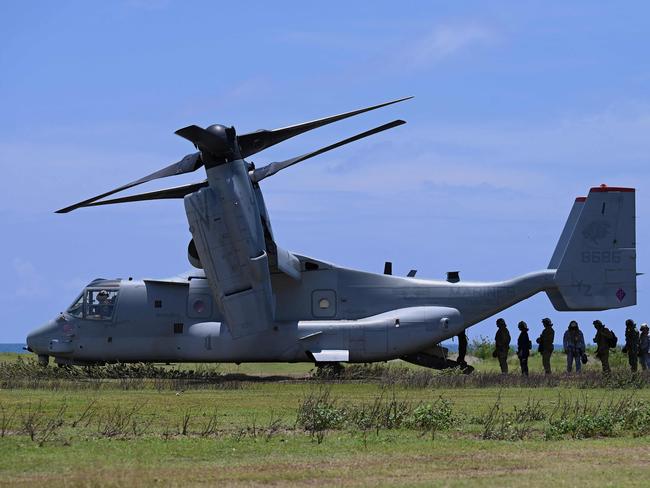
(373, 316)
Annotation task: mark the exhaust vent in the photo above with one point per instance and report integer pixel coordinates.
(453, 276)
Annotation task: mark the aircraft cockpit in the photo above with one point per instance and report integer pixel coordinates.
(96, 302)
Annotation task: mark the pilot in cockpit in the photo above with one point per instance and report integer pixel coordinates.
(105, 304)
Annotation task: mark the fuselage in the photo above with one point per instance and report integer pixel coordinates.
(365, 316)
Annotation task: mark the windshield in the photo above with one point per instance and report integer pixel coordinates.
(77, 308)
(95, 304)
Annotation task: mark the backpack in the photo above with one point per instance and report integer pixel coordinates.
(610, 337)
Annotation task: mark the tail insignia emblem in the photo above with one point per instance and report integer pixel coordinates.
(596, 231)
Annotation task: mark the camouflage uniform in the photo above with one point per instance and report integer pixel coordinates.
(523, 347)
(545, 341)
(631, 344)
(502, 345)
(574, 346)
(644, 347)
(603, 336)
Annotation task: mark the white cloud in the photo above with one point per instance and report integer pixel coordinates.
(29, 282)
(447, 40)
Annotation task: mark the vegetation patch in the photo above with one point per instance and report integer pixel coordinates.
(580, 419)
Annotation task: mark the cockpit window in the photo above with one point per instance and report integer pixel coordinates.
(77, 308)
(100, 303)
(95, 303)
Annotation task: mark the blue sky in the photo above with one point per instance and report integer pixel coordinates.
(519, 108)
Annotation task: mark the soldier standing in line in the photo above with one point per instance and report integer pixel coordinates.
(523, 347)
(631, 344)
(545, 341)
(604, 339)
(574, 346)
(502, 345)
(644, 347)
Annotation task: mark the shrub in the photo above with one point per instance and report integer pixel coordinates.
(532, 411)
(578, 419)
(482, 347)
(318, 412)
(500, 425)
(433, 417)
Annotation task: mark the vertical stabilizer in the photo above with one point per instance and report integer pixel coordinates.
(558, 254)
(597, 269)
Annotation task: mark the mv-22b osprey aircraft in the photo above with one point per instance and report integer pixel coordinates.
(250, 300)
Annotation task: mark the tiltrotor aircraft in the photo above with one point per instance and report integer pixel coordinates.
(250, 300)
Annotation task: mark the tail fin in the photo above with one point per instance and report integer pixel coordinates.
(567, 232)
(596, 255)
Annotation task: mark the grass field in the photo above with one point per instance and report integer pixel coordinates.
(292, 430)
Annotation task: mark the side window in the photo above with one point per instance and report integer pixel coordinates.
(77, 308)
(323, 303)
(199, 305)
(100, 304)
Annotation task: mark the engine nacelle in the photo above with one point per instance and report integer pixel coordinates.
(229, 239)
(193, 255)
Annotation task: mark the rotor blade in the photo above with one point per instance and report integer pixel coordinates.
(189, 163)
(270, 169)
(202, 138)
(175, 192)
(255, 142)
(412, 273)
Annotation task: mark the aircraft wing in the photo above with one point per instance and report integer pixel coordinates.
(283, 261)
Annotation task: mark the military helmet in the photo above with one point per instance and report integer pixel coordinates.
(597, 323)
(501, 322)
(629, 323)
(644, 327)
(522, 325)
(547, 322)
(573, 324)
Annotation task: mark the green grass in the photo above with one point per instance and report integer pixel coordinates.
(255, 439)
(390, 460)
(238, 455)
